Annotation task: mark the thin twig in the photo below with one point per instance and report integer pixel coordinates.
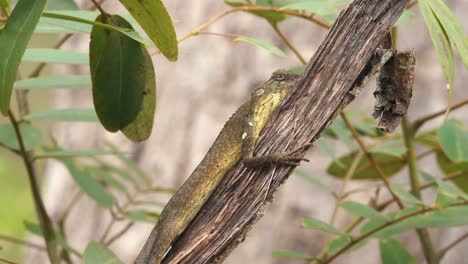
(22, 242)
(44, 220)
(360, 238)
(287, 42)
(411, 4)
(446, 249)
(119, 234)
(421, 121)
(449, 177)
(7, 261)
(371, 159)
(220, 15)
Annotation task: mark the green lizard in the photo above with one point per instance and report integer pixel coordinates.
(235, 143)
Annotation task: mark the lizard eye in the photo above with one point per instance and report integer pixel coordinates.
(279, 77)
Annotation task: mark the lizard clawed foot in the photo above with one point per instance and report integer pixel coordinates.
(289, 158)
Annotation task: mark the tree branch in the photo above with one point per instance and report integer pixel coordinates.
(318, 96)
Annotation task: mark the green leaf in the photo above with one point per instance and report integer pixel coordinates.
(454, 141)
(118, 77)
(447, 194)
(141, 216)
(429, 139)
(338, 243)
(33, 228)
(290, 255)
(4, 4)
(55, 56)
(325, 147)
(107, 178)
(449, 167)
(156, 22)
(320, 225)
(123, 174)
(129, 163)
(359, 209)
(314, 180)
(64, 115)
(140, 129)
(32, 136)
(89, 185)
(268, 15)
(129, 33)
(392, 252)
(404, 195)
(14, 39)
(393, 148)
(264, 45)
(389, 164)
(440, 40)
(61, 5)
(452, 27)
(316, 6)
(406, 18)
(339, 128)
(74, 153)
(448, 217)
(96, 253)
(55, 82)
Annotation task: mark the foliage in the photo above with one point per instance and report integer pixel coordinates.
(119, 60)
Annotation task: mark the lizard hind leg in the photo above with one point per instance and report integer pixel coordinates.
(290, 158)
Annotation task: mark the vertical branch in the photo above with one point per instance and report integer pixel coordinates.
(44, 220)
(423, 234)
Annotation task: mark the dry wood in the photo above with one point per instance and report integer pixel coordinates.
(313, 103)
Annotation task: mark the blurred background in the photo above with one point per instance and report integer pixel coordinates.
(195, 96)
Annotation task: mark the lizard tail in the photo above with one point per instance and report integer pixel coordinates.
(156, 246)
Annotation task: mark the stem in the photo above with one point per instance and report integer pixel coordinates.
(457, 241)
(421, 121)
(21, 242)
(119, 234)
(360, 238)
(7, 261)
(287, 42)
(222, 14)
(371, 159)
(44, 220)
(423, 234)
(98, 6)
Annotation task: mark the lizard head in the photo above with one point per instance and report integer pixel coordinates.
(281, 79)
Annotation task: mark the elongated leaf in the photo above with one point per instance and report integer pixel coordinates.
(440, 40)
(392, 252)
(4, 4)
(141, 216)
(96, 253)
(392, 148)
(116, 68)
(89, 185)
(55, 82)
(61, 4)
(102, 175)
(449, 167)
(359, 209)
(64, 115)
(264, 45)
(314, 180)
(454, 141)
(31, 136)
(320, 225)
(14, 39)
(140, 128)
(389, 164)
(74, 153)
(338, 127)
(55, 56)
(448, 217)
(404, 195)
(447, 194)
(156, 22)
(129, 163)
(452, 27)
(129, 33)
(338, 243)
(290, 255)
(268, 15)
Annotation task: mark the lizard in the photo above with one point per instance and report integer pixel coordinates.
(235, 143)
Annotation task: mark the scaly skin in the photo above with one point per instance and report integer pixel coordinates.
(235, 142)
